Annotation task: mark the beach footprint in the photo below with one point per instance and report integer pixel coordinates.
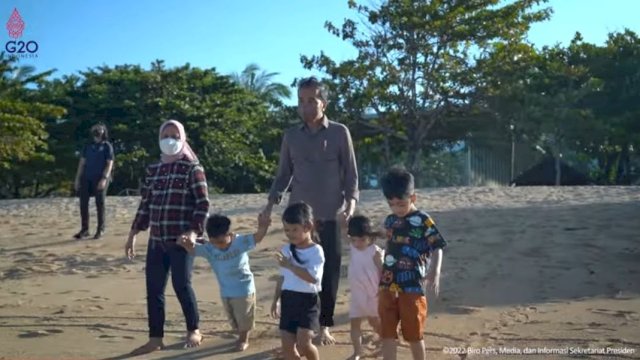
(518, 314)
(26, 254)
(627, 315)
(463, 310)
(114, 337)
(66, 292)
(93, 299)
(39, 333)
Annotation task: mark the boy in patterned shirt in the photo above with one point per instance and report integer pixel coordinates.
(413, 243)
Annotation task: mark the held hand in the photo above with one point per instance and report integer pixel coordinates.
(187, 237)
(129, 247)
(275, 309)
(187, 243)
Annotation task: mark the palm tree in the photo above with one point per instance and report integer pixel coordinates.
(14, 79)
(259, 82)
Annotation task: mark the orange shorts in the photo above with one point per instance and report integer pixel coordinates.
(410, 310)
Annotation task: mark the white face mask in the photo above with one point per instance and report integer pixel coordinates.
(171, 146)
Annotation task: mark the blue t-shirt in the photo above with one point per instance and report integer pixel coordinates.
(95, 157)
(231, 265)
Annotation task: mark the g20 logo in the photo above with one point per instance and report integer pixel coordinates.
(15, 26)
(21, 47)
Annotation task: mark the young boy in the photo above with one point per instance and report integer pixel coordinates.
(412, 243)
(228, 255)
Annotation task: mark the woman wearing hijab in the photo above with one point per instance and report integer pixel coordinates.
(174, 205)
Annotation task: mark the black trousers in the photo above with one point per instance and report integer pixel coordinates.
(162, 257)
(329, 234)
(88, 188)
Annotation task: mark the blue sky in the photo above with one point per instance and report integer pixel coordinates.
(229, 34)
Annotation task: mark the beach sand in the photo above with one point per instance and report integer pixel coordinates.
(537, 267)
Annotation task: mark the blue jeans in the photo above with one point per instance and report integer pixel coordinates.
(162, 256)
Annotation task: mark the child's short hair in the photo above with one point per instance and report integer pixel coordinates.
(218, 225)
(398, 183)
(360, 225)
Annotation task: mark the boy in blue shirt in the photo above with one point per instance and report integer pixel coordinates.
(228, 255)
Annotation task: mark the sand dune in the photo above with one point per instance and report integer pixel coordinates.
(526, 267)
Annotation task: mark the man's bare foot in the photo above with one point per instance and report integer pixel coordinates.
(194, 339)
(325, 337)
(152, 345)
(242, 345)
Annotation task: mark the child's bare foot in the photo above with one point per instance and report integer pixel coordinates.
(194, 339)
(279, 354)
(325, 337)
(242, 345)
(375, 341)
(152, 345)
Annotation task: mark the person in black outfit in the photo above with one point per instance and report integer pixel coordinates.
(92, 178)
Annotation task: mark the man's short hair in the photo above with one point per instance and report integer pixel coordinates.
(398, 183)
(313, 82)
(218, 225)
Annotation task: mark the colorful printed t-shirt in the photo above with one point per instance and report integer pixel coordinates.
(410, 241)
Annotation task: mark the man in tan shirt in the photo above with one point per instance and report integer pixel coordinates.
(318, 161)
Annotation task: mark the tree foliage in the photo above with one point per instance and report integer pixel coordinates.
(224, 122)
(416, 61)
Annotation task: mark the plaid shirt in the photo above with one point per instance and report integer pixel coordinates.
(174, 200)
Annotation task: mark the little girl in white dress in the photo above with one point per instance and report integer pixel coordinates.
(365, 267)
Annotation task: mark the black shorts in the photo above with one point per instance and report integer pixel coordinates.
(298, 310)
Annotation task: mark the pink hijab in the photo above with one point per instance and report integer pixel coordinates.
(186, 149)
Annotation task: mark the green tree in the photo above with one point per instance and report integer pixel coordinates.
(22, 125)
(577, 101)
(540, 95)
(416, 61)
(223, 121)
(616, 105)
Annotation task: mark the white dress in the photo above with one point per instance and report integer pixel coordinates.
(364, 280)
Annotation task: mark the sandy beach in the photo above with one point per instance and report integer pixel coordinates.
(527, 269)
